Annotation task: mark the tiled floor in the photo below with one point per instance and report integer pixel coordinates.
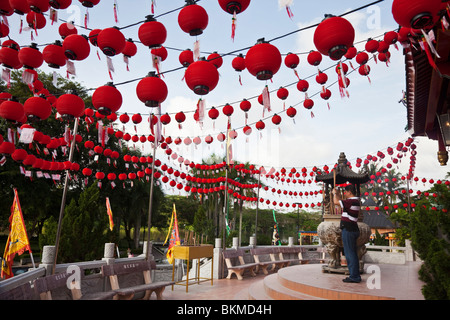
(396, 281)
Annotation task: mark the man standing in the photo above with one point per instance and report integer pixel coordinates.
(350, 232)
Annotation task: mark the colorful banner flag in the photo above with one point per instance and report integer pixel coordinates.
(175, 236)
(17, 240)
(276, 234)
(110, 214)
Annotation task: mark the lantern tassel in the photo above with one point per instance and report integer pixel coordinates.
(6, 76)
(153, 6)
(110, 65)
(296, 74)
(196, 50)
(86, 18)
(115, 12)
(53, 15)
(266, 99)
(240, 81)
(233, 26)
(126, 60)
(430, 58)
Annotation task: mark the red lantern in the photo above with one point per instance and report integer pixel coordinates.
(124, 118)
(69, 106)
(263, 60)
(60, 4)
(37, 108)
(213, 113)
(76, 47)
(165, 119)
(12, 110)
(99, 175)
(31, 57)
(282, 93)
(228, 110)
(89, 3)
(364, 70)
(152, 90)
(201, 77)
(260, 125)
(215, 59)
(291, 112)
(107, 99)
(234, 6)
(333, 36)
(136, 118)
(314, 58)
(111, 41)
(186, 57)
(276, 119)
(54, 56)
(292, 60)
(66, 29)
(9, 54)
(371, 45)
(245, 105)
(36, 20)
(180, 117)
(5, 8)
(362, 58)
(7, 147)
(247, 130)
(152, 33)
(193, 19)
(321, 78)
(308, 103)
(302, 85)
(416, 14)
(238, 63)
(130, 49)
(325, 94)
(390, 37)
(351, 53)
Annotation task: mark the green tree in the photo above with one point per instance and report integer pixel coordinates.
(84, 230)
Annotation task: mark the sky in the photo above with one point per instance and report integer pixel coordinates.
(369, 120)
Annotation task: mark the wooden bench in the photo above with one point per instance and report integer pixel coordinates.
(259, 253)
(231, 255)
(137, 269)
(292, 254)
(46, 285)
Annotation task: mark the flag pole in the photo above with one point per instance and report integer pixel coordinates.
(150, 201)
(63, 201)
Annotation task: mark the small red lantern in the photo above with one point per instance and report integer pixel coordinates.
(186, 57)
(325, 94)
(193, 19)
(390, 37)
(291, 112)
(321, 78)
(282, 93)
(111, 41)
(165, 119)
(245, 105)
(213, 113)
(238, 63)
(60, 4)
(260, 125)
(333, 36)
(247, 130)
(152, 90)
(36, 20)
(9, 55)
(107, 99)
(130, 48)
(136, 118)
(371, 45)
(12, 110)
(89, 3)
(215, 59)
(416, 14)
(37, 108)
(276, 119)
(351, 53)
(302, 85)
(70, 106)
(124, 118)
(308, 103)
(263, 60)
(291, 60)
(7, 147)
(228, 110)
(362, 58)
(201, 77)
(180, 117)
(54, 56)
(66, 29)
(76, 47)
(314, 58)
(99, 175)
(31, 57)
(152, 33)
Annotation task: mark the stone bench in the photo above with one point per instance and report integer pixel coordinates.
(260, 256)
(139, 270)
(234, 260)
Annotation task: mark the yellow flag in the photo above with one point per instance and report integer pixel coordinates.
(175, 236)
(110, 215)
(17, 240)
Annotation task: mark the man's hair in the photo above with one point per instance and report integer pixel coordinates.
(350, 188)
